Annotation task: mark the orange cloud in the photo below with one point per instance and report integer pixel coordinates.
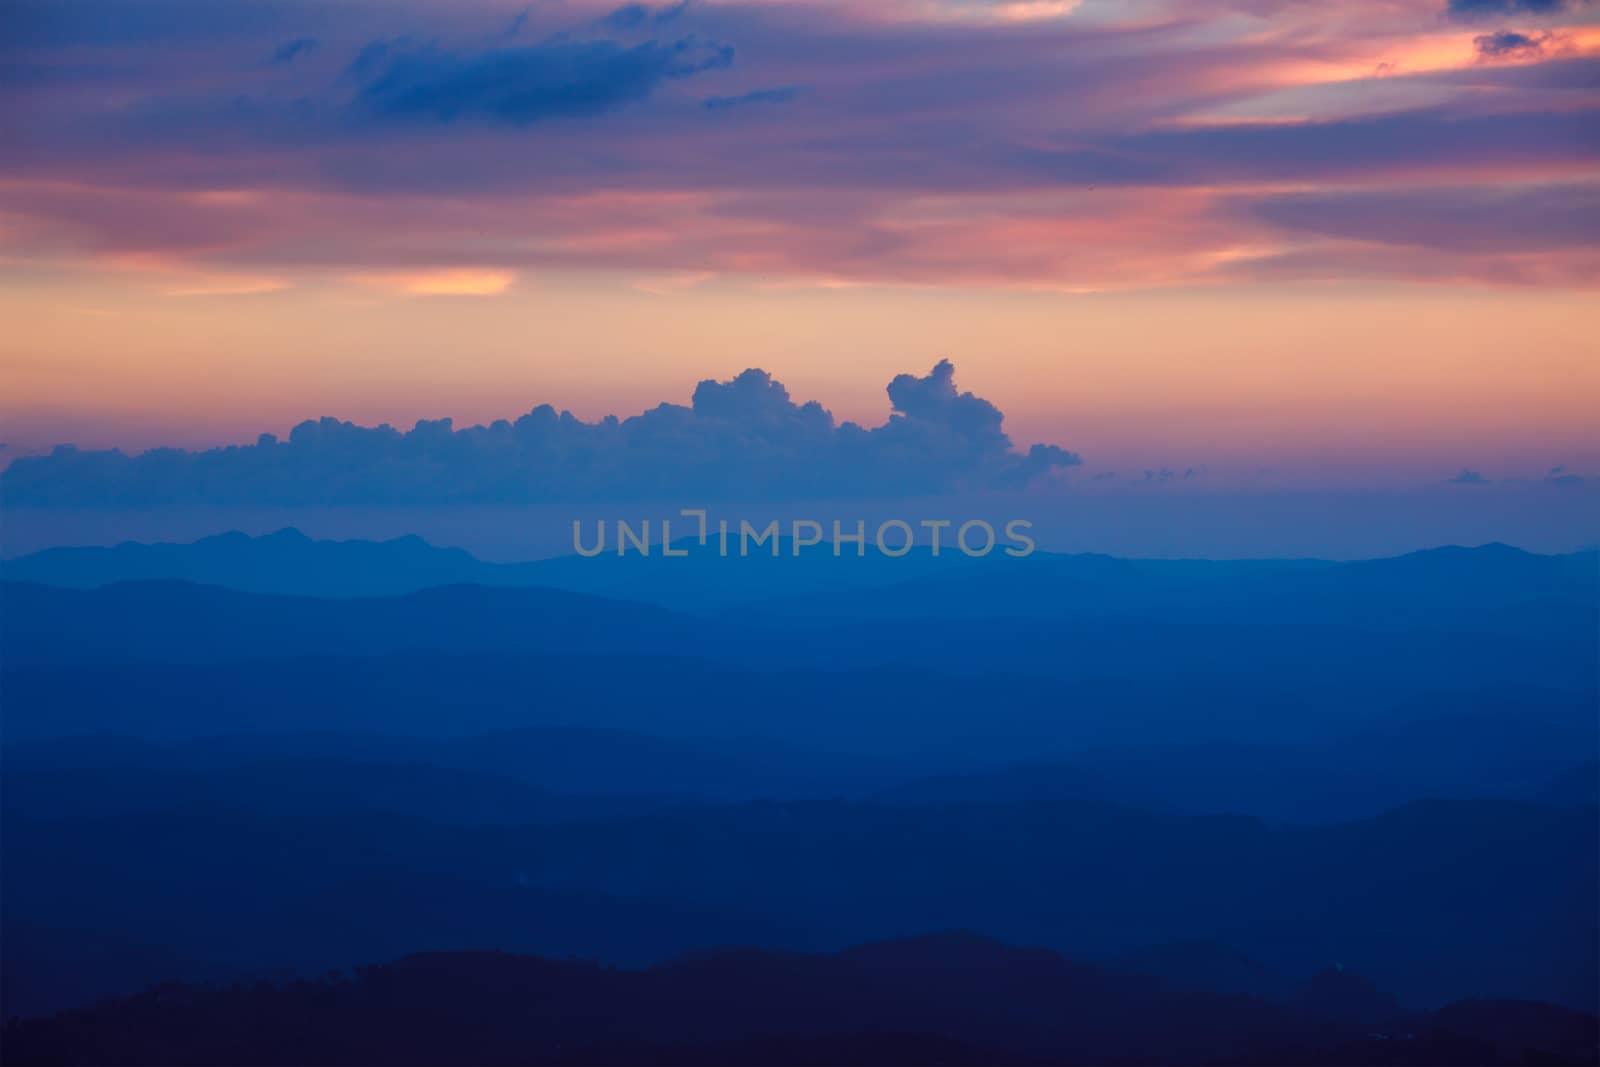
(451, 282)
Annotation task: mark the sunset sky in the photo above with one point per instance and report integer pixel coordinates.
(1357, 243)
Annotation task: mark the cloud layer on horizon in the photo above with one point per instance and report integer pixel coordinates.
(743, 438)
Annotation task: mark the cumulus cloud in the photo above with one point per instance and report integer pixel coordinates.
(1469, 477)
(742, 438)
(935, 400)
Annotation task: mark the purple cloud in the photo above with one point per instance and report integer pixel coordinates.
(418, 119)
(740, 438)
(516, 86)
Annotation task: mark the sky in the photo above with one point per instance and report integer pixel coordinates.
(1295, 244)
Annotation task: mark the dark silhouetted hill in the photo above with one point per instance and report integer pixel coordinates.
(1522, 743)
(307, 787)
(1206, 965)
(527, 774)
(1335, 993)
(1252, 741)
(1578, 787)
(1434, 901)
(1491, 586)
(942, 999)
(289, 563)
(46, 970)
(286, 562)
(182, 622)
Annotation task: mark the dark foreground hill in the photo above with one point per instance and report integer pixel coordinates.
(946, 999)
(1435, 901)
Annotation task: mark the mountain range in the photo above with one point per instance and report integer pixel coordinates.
(943, 999)
(241, 763)
(1438, 584)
